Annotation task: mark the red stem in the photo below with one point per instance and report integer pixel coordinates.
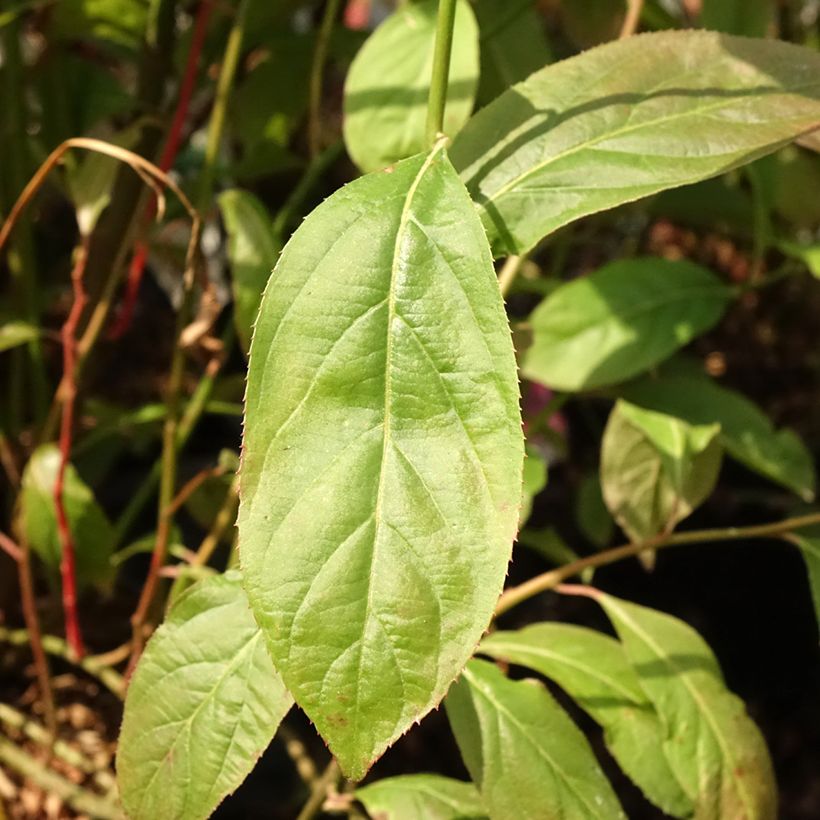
(67, 564)
(122, 322)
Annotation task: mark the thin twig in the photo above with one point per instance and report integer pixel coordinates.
(632, 18)
(549, 580)
(323, 785)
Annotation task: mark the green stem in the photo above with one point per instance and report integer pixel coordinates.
(549, 580)
(219, 112)
(317, 72)
(314, 803)
(441, 69)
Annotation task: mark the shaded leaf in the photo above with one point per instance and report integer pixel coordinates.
(252, 252)
(620, 320)
(591, 514)
(808, 542)
(385, 99)
(628, 119)
(90, 528)
(119, 23)
(381, 474)
(422, 797)
(550, 546)
(655, 469)
(535, 479)
(751, 18)
(593, 669)
(512, 45)
(745, 432)
(14, 333)
(202, 706)
(526, 756)
(714, 748)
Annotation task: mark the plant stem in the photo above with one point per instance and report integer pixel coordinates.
(441, 69)
(320, 791)
(317, 72)
(35, 636)
(508, 273)
(549, 580)
(632, 18)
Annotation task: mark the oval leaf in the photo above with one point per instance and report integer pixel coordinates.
(655, 469)
(628, 119)
(385, 100)
(15, 333)
(422, 797)
(619, 321)
(381, 474)
(714, 748)
(202, 706)
(252, 252)
(526, 756)
(745, 432)
(91, 530)
(593, 669)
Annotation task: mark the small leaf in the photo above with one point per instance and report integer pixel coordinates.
(619, 321)
(594, 671)
(809, 254)
(512, 45)
(591, 514)
(655, 469)
(526, 756)
(422, 797)
(14, 333)
(90, 528)
(808, 542)
(629, 119)
(385, 99)
(550, 546)
(381, 473)
(714, 748)
(745, 432)
(252, 252)
(203, 704)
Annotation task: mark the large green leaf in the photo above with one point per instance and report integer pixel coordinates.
(628, 119)
(252, 251)
(422, 797)
(385, 100)
(381, 474)
(746, 433)
(526, 756)
(593, 669)
(91, 530)
(512, 44)
(655, 469)
(714, 748)
(203, 704)
(620, 320)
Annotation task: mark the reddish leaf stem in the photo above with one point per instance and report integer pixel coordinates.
(67, 563)
(125, 315)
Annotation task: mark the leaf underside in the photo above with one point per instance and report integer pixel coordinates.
(382, 459)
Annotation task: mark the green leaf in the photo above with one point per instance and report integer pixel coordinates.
(385, 99)
(655, 469)
(809, 254)
(751, 18)
(629, 119)
(535, 479)
(808, 542)
(593, 669)
(620, 320)
(526, 756)
(745, 432)
(14, 333)
(552, 548)
(202, 706)
(591, 514)
(422, 797)
(381, 474)
(91, 530)
(116, 22)
(589, 23)
(511, 43)
(714, 748)
(252, 252)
